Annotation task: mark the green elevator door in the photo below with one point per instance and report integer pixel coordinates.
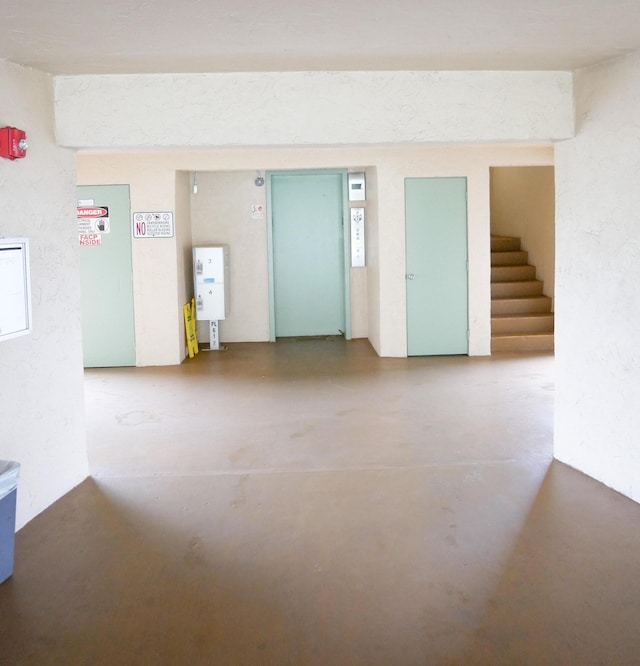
(308, 255)
(436, 260)
(106, 280)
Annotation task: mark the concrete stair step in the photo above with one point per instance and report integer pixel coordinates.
(509, 258)
(521, 317)
(522, 324)
(504, 244)
(524, 305)
(522, 343)
(512, 273)
(516, 289)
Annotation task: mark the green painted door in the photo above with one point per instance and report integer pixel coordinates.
(436, 256)
(106, 279)
(308, 254)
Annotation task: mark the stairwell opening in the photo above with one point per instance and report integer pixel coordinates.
(522, 258)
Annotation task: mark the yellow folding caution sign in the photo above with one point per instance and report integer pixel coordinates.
(190, 328)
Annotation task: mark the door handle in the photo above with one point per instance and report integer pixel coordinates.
(410, 276)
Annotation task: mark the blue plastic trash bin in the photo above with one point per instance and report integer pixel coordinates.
(9, 472)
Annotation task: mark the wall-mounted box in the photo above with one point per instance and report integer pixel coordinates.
(357, 187)
(15, 288)
(211, 282)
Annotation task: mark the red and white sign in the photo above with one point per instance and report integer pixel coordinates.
(92, 211)
(93, 220)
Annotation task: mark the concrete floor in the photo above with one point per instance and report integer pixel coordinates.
(307, 502)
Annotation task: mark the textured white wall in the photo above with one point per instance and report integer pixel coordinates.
(311, 108)
(385, 272)
(598, 272)
(42, 423)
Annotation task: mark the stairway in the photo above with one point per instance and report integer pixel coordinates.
(521, 317)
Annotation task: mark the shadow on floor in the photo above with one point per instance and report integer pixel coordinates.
(568, 593)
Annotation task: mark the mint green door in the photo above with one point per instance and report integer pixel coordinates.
(436, 261)
(106, 281)
(308, 254)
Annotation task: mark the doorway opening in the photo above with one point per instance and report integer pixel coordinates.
(522, 258)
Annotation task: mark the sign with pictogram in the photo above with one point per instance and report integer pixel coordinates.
(152, 224)
(92, 221)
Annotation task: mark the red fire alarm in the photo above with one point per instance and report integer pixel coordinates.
(13, 143)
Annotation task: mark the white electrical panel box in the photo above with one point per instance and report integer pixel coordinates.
(15, 288)
(211, 282)
(357, 191)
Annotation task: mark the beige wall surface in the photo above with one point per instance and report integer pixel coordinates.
(523, 205)
(598, 257)
(378, 296)
(42, 422)
(183, 250)
(222, 215)
(370, 275)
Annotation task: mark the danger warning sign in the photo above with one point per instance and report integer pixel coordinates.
(93, 220)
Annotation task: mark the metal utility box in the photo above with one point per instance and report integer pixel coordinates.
(211, 282)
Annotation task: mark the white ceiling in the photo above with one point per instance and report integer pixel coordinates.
(129, 36)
